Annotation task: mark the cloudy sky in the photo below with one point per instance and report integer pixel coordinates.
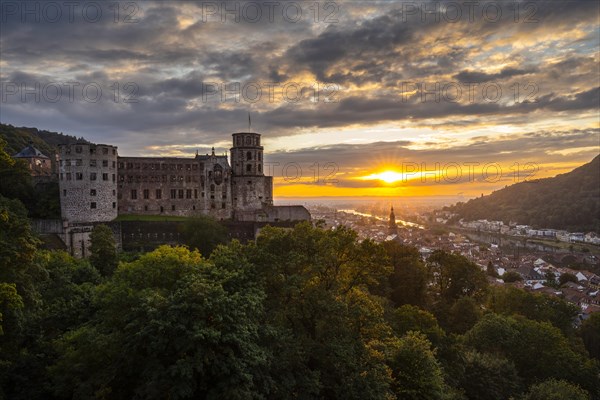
(389, 98)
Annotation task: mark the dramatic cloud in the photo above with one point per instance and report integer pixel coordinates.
(361, 84)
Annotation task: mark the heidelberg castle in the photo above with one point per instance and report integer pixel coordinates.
(96, 184)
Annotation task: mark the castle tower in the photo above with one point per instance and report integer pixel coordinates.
(392, 226)
(87, 182)
(247, 154)
(251, 189)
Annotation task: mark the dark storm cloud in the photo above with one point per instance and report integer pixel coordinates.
(170, 60)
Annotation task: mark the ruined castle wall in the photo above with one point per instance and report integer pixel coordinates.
(175, 186)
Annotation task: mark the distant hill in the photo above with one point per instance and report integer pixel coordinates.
(568, 201)
(45, 141)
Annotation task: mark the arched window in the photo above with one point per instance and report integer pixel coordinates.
(248, 167)
(248, 140)
(259, 169)
(248, 156)
(212, 188)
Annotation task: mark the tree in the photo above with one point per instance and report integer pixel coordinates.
(325, 327)
(490, 270)
(535, 306)
(204, 234)
(538, 350)
(410, 318)
(511, 276)
(567, 277)
(488, 376)
(416, 373)
(556, 390)
(408, 281)
(103, 249)
(170, 324)
(463, 315)
(590, 333)
(454, 276)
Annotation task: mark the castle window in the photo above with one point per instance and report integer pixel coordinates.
(249, 182)
(172, 209)
(259, 156)
(92, 163)
(65, 192)
(137, 165)
(145, 208)
(248, 167)
(195, 193)
(172, 167)
(129, 165)
(164, 178)
(105, 163)
(212, 196)
(239, 140)
(248, 156)
(259, 169)
(193, 207)
(173, 193)
(179, 167)
(114, 205)
(93, 204)
(222, 205)
(61, 176)
(68, 176)
(114, 152)
(195, 167)
(114, 177)
(180, 193)
(105, 150)
(158, 194)
(173, 178)
(79, 162)
(144, 166)
(248, 140)
(104, 177)
(162, 209)
(121, 178)
(212, 205)
(120, 165)
(212, 188)
(146, 194)
(77, 149)
(92, 192)
(188, 194)
(68, 150)
(133, 194)
(79, 176)
(114, 163)
(92, 150)
(114, 192)
(202, 194)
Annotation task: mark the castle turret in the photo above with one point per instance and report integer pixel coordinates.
(252, 190)
(247, 154)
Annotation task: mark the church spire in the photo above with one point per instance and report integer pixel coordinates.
(392, 226)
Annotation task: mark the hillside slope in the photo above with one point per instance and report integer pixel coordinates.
(45, 141)
(568, 201)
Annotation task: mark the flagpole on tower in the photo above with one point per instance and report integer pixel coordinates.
(249, 122)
